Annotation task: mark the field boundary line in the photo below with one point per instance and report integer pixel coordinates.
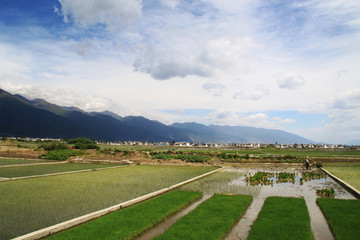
(91, 216)
(61, 173)
(32, 164)
(352, 189)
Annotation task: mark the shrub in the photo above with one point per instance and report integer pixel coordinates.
(60, 154)
(83, 143)
(54, 146)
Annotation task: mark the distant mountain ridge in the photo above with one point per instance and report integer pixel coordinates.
(39, 118)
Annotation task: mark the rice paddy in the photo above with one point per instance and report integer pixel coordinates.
(211, 220)
(282, 218)
(32, 204)
(13, 172)
(343, 217)
(129, 222)
(350, 174)
(14, 161)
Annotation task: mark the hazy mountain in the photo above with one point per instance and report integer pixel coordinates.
(355, 142)
(238, 134)
(39, 118)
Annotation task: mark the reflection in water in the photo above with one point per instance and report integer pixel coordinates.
(306, 190)
(232, 181)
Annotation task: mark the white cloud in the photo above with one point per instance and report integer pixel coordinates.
(86, 102)
(290, 80)
(214, 88)
(112, 13)
(255, 95)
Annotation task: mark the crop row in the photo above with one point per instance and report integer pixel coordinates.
(183, 157)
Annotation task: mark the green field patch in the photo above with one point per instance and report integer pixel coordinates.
(343, 217)
(13, 161)
(350, 174)
(12, 172)
(282, 218)
(132, 221)
(32, 204)
(210, 220)
(262, 178)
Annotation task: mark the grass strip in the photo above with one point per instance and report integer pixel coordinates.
(282, 218)
(132, 221)
(12, 172)
(32, 204)
(343, 217)
(210, 220)
(350, 174)
(9, 161)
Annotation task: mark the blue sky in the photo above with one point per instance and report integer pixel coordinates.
(290, 65)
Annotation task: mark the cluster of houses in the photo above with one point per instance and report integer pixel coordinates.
(229, 145)
(200, 145)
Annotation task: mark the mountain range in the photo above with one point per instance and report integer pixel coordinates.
(39, 118)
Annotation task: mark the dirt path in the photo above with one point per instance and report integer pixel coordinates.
(307, 191)
(167, 223)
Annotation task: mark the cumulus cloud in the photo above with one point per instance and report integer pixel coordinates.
(86, 102)
(214, 88)
(348, 100)
(290, 80)
(165, 63)
(112, 13)
(259, 92)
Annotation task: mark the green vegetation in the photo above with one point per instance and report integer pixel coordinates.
(12, 172)
(326, 192)
(61, 155)
(183, 157)
(14, 161)
(32, 204)
(350, 174)
(260, 178)
(83, 143)
(343, 217)
(210, 220)
(221, 183)
(308, 176)
(285, 177)
(282, 218)
(132, 221)
(54, 145)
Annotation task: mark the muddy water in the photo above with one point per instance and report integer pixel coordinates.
(163, 226)
(319, 225)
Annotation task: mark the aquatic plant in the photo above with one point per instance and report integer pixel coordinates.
(260, 178)
(326, 192)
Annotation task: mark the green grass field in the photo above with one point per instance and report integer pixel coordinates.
(11, 172)
(282, 218)
(350, 174)
(12, 161)
(32, 204)
(210, 220)
(132, 221)
(343, 217)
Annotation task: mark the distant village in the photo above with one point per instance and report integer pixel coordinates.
(201, 145)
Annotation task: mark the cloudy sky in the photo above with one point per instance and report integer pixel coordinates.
(289, 65)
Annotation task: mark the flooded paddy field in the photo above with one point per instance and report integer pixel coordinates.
(232, 180)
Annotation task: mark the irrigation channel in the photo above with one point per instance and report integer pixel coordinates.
(306, 190)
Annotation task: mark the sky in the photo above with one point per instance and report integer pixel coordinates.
(289, 65)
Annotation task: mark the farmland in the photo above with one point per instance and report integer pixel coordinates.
(282, 218)
(31, 204)
(11, 161)
(211, 220)
(350, 174)
(12, 172)
(343, 217)
(130, 222)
